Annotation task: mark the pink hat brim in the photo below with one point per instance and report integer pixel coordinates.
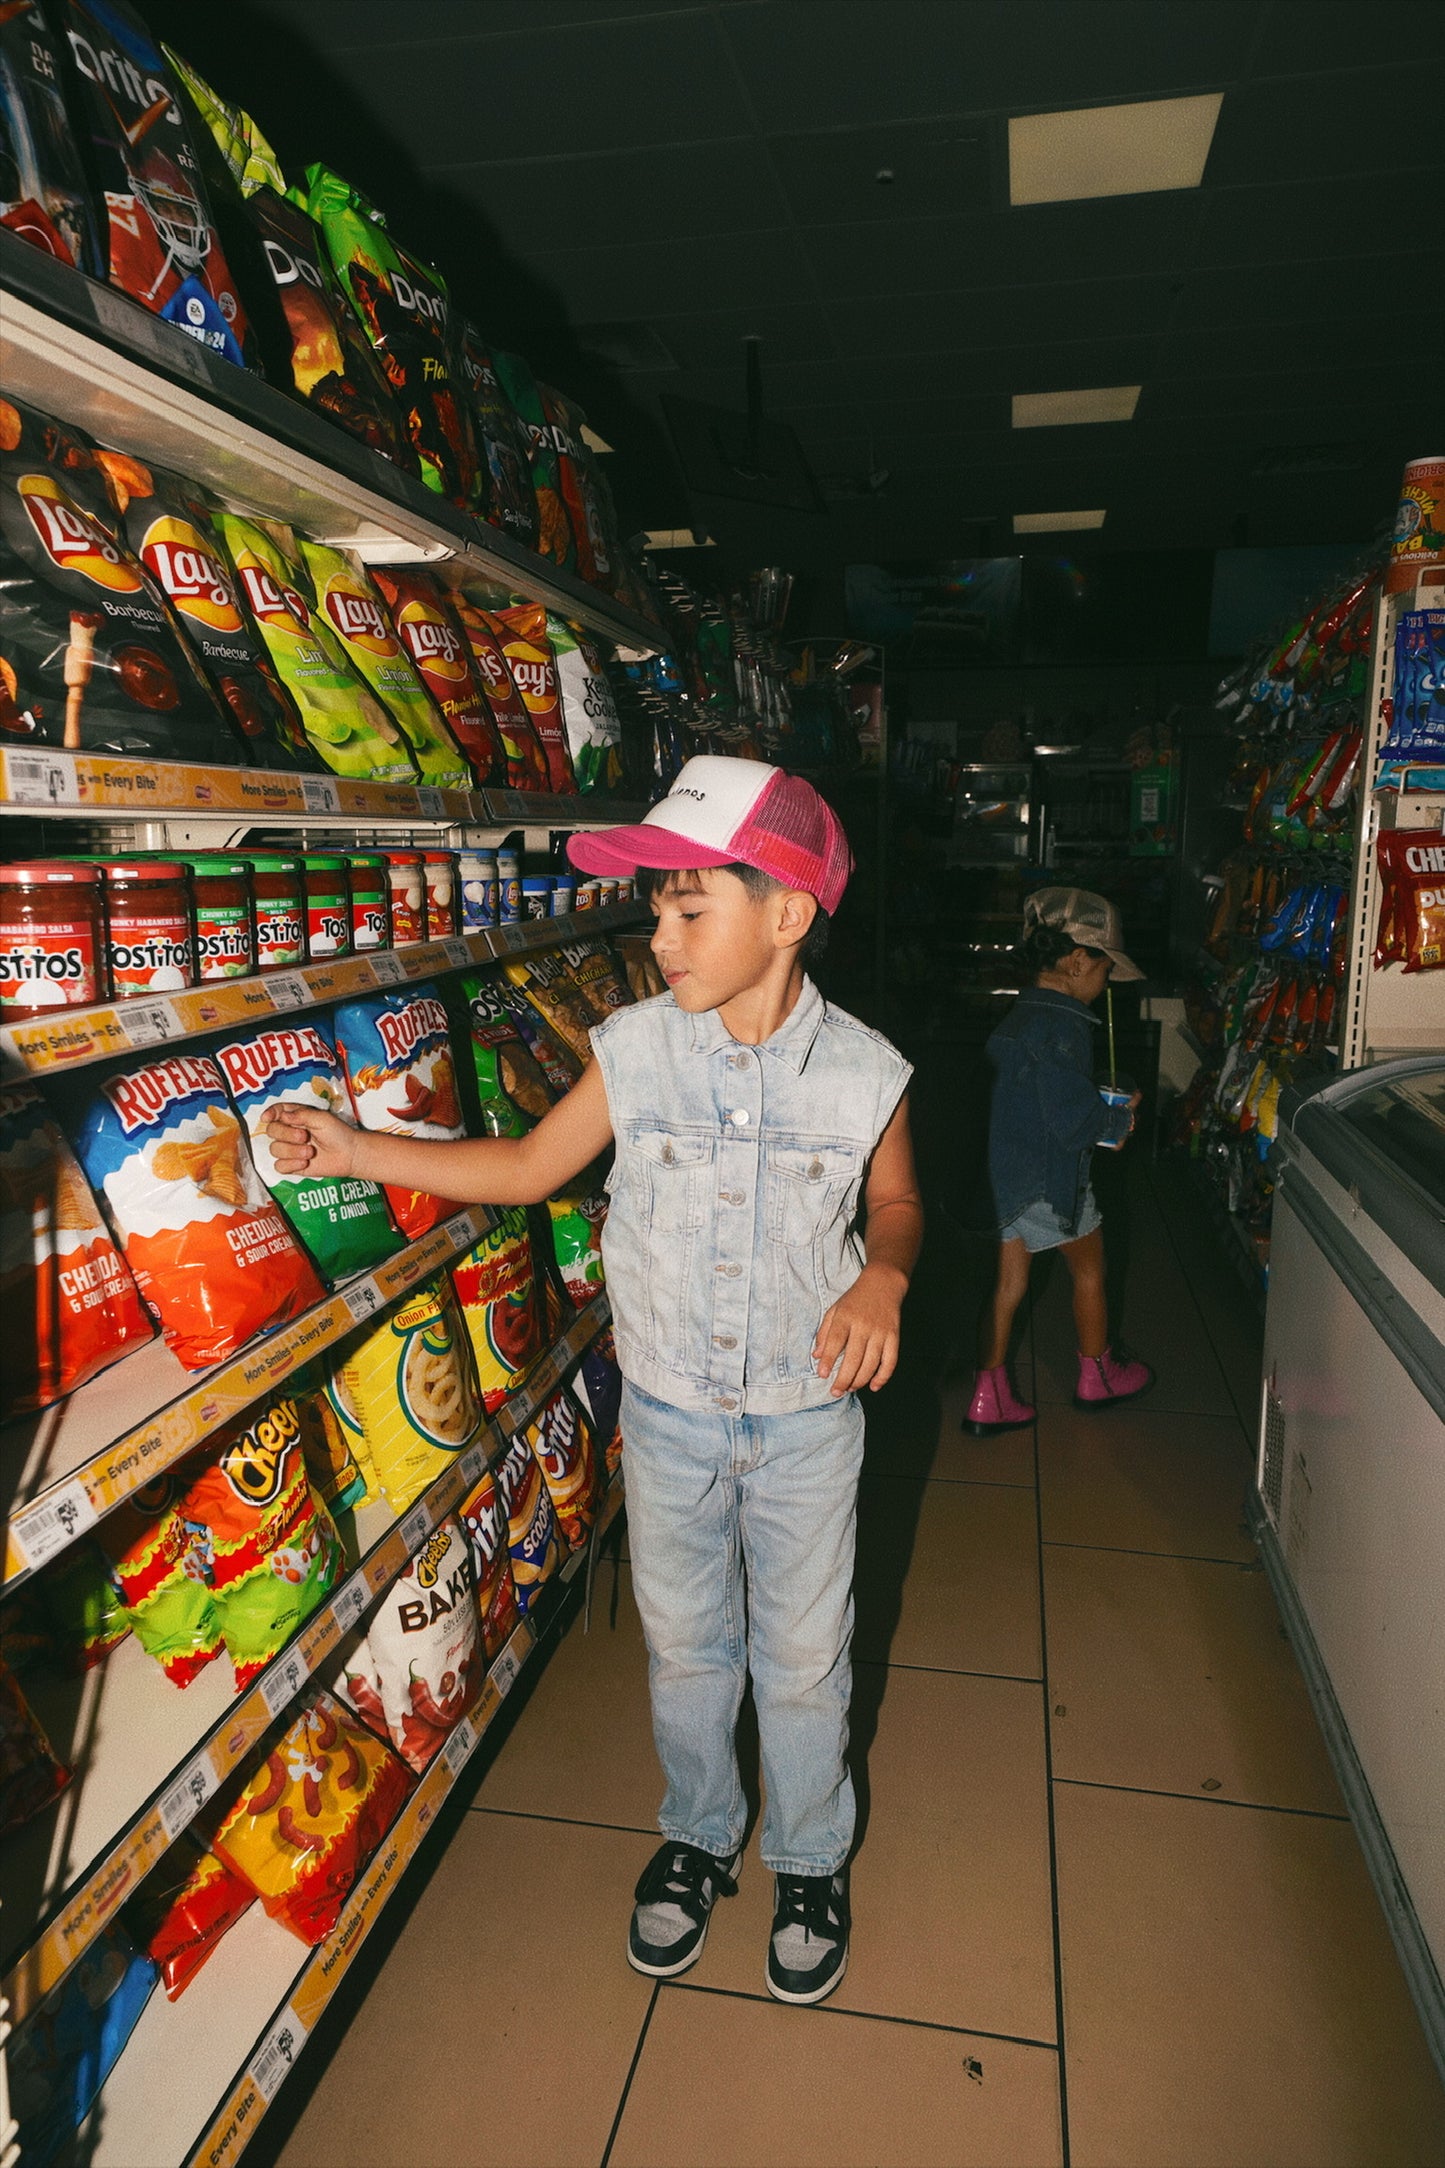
(623, 850)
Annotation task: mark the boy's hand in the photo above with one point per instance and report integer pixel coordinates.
(862, 1329)
(307, 1140)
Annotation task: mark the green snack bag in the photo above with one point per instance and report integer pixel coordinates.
(346, 723)
(513, 1091)
(577, 1223)
(555, 538)
(82, 1605)
(161, 1569)
(345, 1225)
(347, 598)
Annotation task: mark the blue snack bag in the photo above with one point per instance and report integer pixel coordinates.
(61, 2056)
(1417, 730)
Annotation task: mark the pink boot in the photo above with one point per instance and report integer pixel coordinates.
(995, 1405)
(1107, 1379)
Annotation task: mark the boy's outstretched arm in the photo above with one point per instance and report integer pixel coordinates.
(480, 1170)
(859, 1335)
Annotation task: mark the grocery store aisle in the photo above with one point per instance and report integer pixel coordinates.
(1147, 1859)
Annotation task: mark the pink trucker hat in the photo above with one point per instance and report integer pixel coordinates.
(723, 812)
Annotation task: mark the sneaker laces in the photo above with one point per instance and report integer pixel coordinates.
(808, 1910)
(677, 1877)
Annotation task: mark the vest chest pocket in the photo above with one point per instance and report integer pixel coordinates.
(671, 1170)
(808, 1187)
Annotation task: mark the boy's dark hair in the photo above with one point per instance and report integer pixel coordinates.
(674, 881)
(1042, 947)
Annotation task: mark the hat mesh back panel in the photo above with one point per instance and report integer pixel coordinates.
(793, 835)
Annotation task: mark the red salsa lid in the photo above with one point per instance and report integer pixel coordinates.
(38, 872)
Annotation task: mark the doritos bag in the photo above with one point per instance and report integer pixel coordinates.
(344, 1225)
(586, 490)
(161, 245)
(347, 597)
(561, 1441)
(421, 1665)
(533, 1536)
(412, 1389)
(526, 763)
(210, 1252)
(311, 1817)
(161, 1569)
(577, 1223)
(345, 722)
(484, 1519)
(505, 496)
(589, 712)
(554, 530)
(433, 639)
(43, 192)
(534, 670)
(91, 655)
(496, 1287)
(69, 1302)
(397, 1052)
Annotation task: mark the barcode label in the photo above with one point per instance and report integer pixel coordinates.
(416, 1528)
(472, 1466)
(504, 1671)
(460, 1748)
(459, 952)
(429, 801)
(283, 1682)
(348, 1604)
(362, 1300)
(319, 794)
(55, 1522)
(460, 1230)
(388, 968)
(277, 2054)
(186, 1797)
(147, 1023)
(288, 990)
(40, 779)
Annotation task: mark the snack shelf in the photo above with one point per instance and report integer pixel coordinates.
(153, 1755)
(74, 1038)
(89, 356)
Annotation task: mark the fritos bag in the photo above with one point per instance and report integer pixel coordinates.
(577, 1223)
(413, 1390)
(598, 1385)
(428, 629)
(561, 1441)
(526, 763)
(185, 1906)
(543, 981)
(534, 670)
(161, 1571)
(589, 712)
(348, 597)
(1412, 871)
(30, 1771)
(343, 1225)
(512, 1090)
(555, 538)
(485, 1522)
(421, 1665)
(210, 1252)
(497, 1289)
(533, 1536)
(397, 1052)
(70, 1303)
(504, 473)
(311, 1817)
(43, 192)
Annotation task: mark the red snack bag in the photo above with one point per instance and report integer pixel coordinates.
(485, 1521)
(201, 1898)
(421, 1664)
(58, 1264)
(526, 762)
(398, 1058)
(534, 669)
(438, 647)
(497, 1289)
(562, 1444)
(210, 1251)
(1412, 864)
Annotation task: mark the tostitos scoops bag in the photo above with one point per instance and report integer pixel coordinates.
(532, 1532)
(210, 1252)
(398, 1057)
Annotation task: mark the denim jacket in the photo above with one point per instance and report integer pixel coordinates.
(1045, 1113)
(734, 1195)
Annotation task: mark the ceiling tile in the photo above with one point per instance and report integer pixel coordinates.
(653, 279)
(666, 193)
(1305, 37)
(1269, 295)
(1370, 120)
(965, 322)
(939, 167)
(1125, 235)
(1309, 221)
(344, 25)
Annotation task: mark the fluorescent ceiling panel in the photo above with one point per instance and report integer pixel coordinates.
(1055, 522)
(1110, 150)
(593, 442)
(677, 538)
(1053, 409)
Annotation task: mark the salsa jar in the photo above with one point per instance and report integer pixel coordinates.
(225, 930)
(52, 938)
(370, 906)
(150, 942)
(279, 898)
(406, 879)
(443, 903)
(328, 907)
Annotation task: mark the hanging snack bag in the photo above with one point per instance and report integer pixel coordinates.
(312, 1816)
(533, 1537)
(554, 530)
(485, 1522)
(526, 763)
(413, 1388)
(161, 1566)
(593, 972)
(512, 1089)
(497, 1289)
(43, 193)
(429, 631)
(598, 1385)
(561, 1441)
(422, 1663)
(577, 1224)
(589, 712)
(398, 1057)
(86, 1616)
(161, 246)
(344, 1225)
(91, 655)
(1417, 726)
(184, 1907)
(348, 598)
(30, 1773)
(544, 982)
(210, 1252)
(70, 1303)
(505, 497)
(59, 2059)
(553, 1056)
(1412, 872)
(534, 670)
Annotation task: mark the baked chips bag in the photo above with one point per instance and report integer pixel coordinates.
(421, 1665)
(398, 1057)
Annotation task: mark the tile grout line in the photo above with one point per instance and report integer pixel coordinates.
(872, 2017)
(1248, 1423)
(1132, 1550)
(564, 1821)
(631, 2073)
(1204, 1799)
(947, 1671)
(1049, 1779)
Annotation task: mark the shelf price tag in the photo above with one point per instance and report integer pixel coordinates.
(388, 967)
(416, 1528)
(288, 990)
(460, 1230)
(348, 1604)
(459, 951)
(505, 1669)
(186, 1797)
(319, 794)
(54, 1522)
(147, 1022)
(283, 1682)
(460, 1748)
(277, 2053)
(362, 1300)
(472, 1467)
(39, 779)
(429, 801)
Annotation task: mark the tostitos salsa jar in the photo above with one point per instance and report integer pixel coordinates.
(52, 938)
(150, 944)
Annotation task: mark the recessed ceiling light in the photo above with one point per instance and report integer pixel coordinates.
(678, 538)
(1055, 522)
(593, 442)
(1052, 409)
(1110, 150)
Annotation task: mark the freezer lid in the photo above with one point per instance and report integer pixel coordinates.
(1381, 1133)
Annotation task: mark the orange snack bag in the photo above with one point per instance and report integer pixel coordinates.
(497, 1289)
(533, 665)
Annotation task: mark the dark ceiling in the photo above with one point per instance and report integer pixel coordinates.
(613, 182)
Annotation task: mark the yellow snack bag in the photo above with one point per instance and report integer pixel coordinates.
(412, 1389)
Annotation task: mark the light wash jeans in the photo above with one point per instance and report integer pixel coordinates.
(741, 1531)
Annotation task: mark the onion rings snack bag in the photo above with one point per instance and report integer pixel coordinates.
(533, 1537)
(589, 712)
(311, 1817)
(43, 192)
(423, 1658)
(91, 654)
(344, 722)
(577, 1223)
(210, 1252)
(58, 1265)
(512, 1090)
(534, 671)
(542, 980)
(348, 598)
(344, 1226)
(555, 538)
(482, 1516)
(398, 1057)
(526, 763)
(413, 1387)
(160, 1564)
(505, 497)
(561, 1441)
(497, 1289)
(437, 646)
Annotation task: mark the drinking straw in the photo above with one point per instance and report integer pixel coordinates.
(1109, 1008)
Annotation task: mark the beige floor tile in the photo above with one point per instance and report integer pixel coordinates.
(951, 1901)
(948, 1576)
(935, 1447)
(1172, 1674)
(727, 2083)
(1145, 1480)
(1188, 1379)
(501, 2029)
(1231, 1997)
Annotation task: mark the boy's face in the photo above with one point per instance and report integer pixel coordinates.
(713, 941)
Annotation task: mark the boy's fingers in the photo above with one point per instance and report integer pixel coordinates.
(887, 1363)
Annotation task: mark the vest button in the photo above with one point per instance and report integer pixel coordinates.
(729, 1272)
(741, 1116)
(732, 1196)
(727, 1403)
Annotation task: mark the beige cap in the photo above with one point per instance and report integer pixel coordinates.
(1090, 920)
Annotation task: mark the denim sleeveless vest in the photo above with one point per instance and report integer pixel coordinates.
(734, 1195)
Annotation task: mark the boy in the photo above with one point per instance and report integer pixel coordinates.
(749, 1118)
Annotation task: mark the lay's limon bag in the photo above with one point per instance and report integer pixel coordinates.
(347, 597)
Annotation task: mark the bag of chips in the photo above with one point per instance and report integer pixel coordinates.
(43, 192)
(344, 721)
(534, 671)
(598, 1385)
(82, 1606)
(1417, 725)
(577, 1224)
(344, 1225)
(347, 596)
(161, 246)
(643, 976)
(485, 1522)
(184, 1907)
(533, 1537)
(543, 981)
(497, 1289)
(429, 631)
(504, 473)
(553, 1056)
(70, 1302)
(561, 1441)
(593, 972)
(554, 530)
(210, 1252)
(30, 1772)
(398, 1058)
(589, 712)
(412, 1387)
(513, 1091)
(526, 763)
(422, 1659)
(331, 1465)
(1412, 877)
(161, 1569)
(91, 655)
(312, 1816)
(59, 2059)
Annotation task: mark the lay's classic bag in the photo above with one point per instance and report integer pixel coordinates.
(428, 629)
(398, 1057)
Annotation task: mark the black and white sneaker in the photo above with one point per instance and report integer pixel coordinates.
(808, 1953)
(675, 1897)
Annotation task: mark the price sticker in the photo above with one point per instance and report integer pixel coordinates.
(186, 1797)
(505, 1669)
(288, 990)
(276, 2056)
(348, 1604)
(416, 1528)
(362, 1300)
(283, 1682)
(147, 1022)
(511, 937)
(472, 1467)
(460, 1748)
(388, 968)
(459, 951)
(54, 1522)
(39, 779)
(429, 801)
(461, 1230)
(319, 794)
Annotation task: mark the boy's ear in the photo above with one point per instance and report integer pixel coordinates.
(796, 912)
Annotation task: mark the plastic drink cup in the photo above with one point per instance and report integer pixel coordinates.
(1114, 1095)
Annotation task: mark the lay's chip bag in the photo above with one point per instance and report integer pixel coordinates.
(398, 1057)
(428, 629)
(347, 597)
(526, 763)
(533, 664)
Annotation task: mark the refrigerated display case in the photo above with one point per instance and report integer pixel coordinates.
(992, 815)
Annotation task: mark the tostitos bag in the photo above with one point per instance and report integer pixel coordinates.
(533, 1536)
(398, 1057)
(562, 1445)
